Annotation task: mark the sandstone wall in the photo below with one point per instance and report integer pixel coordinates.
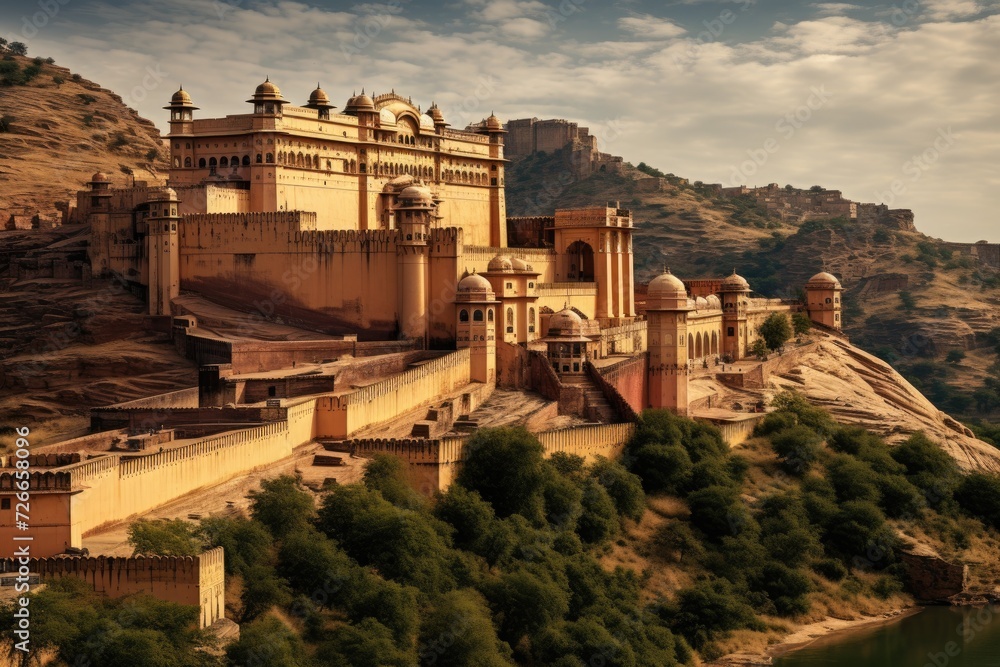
(189, 580)
(629, 379)
(340, 416)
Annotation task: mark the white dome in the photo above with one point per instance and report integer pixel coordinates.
(386, 117)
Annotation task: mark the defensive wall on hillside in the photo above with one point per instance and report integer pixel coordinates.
(197, 581)
(340, 416)
(983, 252)
(433, 464)
(629, 381)
(74, 500)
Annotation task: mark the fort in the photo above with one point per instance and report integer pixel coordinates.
(348, 284)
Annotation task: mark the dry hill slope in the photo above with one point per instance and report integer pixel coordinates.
(61, 133)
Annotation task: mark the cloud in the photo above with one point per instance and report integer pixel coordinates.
(891, 88)
(644, 26)
(835, 8)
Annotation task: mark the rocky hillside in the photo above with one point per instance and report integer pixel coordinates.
(68, 344)
(908, 297)
(57, 129)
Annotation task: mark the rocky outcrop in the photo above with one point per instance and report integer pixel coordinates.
(858, 388)
(931, 578)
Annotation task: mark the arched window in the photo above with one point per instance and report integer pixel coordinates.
(531, 320)
(490, 315)
(270, 158)
(177, 162)
(212, 162)
(201, 163)
(187, 162)
(259, 158)
(246, 160)
(463, 315)
(477, 316)
(224, 162)
(234, 161)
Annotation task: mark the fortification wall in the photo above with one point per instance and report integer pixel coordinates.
(630, 381)
(197, 581)
(136, 420)
(183, 398)
(340, 416)
(433, 464)
(985, 253)
(735, 431)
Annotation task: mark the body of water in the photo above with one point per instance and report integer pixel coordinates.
(935, 637)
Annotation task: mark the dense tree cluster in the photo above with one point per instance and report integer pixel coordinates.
(502, 569)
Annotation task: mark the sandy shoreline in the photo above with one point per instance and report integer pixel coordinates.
(829, 629)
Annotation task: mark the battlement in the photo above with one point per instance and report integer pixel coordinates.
(293, 220)
(458, 359)
(189, 580)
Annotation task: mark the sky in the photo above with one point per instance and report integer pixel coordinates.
(893, 103)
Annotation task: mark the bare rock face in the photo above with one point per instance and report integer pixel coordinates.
(930, 577)
(858, 388)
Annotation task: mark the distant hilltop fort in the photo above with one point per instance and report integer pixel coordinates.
(531, 135)
(796, 205)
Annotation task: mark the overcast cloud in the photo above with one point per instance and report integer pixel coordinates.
(854, 96)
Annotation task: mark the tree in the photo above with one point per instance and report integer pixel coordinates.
(979, 495)
(776, 330)
(801, 323)
(281, 505)
(267, 641)
(505, 466)
(152, 154)
(59, 81)
(459, 631)
(798, 447)
(625, 488)
(164, 537)
(955, 356)
(17, 48)
(526, 602)
(759, 349)
(907, 301)
(5, 123)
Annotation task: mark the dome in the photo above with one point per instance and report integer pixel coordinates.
(435, 113)
(181, 99)
(666, 285)
(824, 279)
(493, 124)
(714, 302)
(426, 122)
(701, 303)
(666, 292)
(362, 103)
(519, 264)
(319, 97)
(474, 283)
(267, 90)
(162, 194)
(416, 196)
(386, 117)
(501, 263)
(735, 283)
(100, 177)
(565, 323)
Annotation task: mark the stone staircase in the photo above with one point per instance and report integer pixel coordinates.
(596, 405)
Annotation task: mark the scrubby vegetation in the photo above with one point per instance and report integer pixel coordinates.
(508, 567)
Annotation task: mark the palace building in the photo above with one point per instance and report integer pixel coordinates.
(381, 233)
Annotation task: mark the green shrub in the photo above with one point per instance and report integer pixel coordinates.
(979, 496)
(798, 448)
(830, 568)
(775, 330)
(164, 537)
